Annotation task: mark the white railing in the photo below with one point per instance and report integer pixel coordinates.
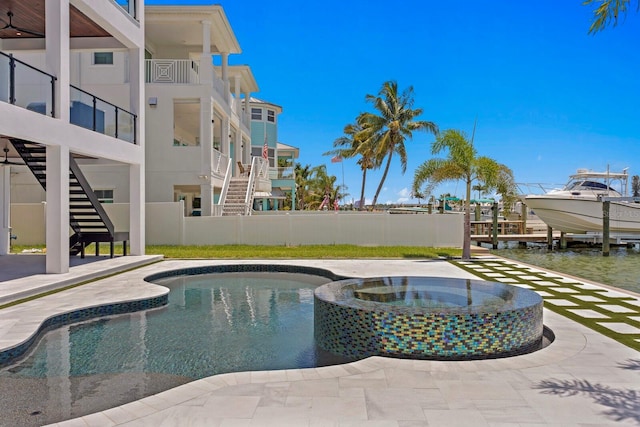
(220, 163)
(218, 209)
(219, 86)
(183, 71)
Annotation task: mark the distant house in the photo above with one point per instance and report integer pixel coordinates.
(150, 118)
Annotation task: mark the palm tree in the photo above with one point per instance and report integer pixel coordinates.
(462, 162)
(353, 144)
(607, 11)
(302, 175)
(385, 133)
(635, 185)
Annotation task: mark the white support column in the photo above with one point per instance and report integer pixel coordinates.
(236, 94)
(247, 107)
(137, 210)
(5, 209)
(137, 167)
(225, 77)
(226, 140)
(225, 67)
(206, 148)
(57, 53)
(206, 65)
(57, 216)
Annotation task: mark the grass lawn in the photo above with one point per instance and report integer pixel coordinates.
(278, 252)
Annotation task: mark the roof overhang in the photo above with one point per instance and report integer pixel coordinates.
(181, 26)
(246, 80)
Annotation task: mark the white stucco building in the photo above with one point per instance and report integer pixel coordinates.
(61, 107)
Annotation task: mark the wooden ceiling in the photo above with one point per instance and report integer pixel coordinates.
(29, 21)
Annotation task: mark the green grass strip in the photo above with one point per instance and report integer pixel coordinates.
(277, 252)
(562, 290)
(301, 252)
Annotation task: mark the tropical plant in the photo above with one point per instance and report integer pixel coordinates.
(302, 175)
(353, 144)
(384, 133)
(322, 184)
(607, 11)
(635, 185)
(463, 163)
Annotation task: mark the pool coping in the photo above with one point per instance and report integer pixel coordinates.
(571, 340)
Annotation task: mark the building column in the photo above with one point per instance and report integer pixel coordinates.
(206, 65)
(137, 209)
(57, 215)
(247, 108)
(225, 76)
(226, 134)
(236, 94)
(206, 148)
(137, 213)
(57, 53)
(5, 209)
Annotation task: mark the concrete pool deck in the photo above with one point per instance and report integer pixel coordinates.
(582, 379)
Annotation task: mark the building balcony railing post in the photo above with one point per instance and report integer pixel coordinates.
(12, 80)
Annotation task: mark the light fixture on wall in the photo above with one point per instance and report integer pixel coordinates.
(153, 101)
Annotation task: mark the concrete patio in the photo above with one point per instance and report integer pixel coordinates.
(583, 379)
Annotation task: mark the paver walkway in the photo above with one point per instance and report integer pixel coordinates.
(608, 311)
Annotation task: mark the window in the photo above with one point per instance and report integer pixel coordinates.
(256, 114)
(104, 196)
(102, 58)
(257, 152)
(271, 116)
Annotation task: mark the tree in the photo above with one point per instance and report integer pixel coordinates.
(302, 175)
(353, 144)
(384, 134)
(607, 11)
(462, 162)
(320, 185)
(635, 186)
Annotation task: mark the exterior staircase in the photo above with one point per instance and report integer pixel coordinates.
(234, 202)
(87, 217)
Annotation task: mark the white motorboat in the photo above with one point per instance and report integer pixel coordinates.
(577, 208)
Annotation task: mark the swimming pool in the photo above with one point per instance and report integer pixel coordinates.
(218, 319)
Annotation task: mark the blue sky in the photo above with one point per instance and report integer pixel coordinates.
(548, 97)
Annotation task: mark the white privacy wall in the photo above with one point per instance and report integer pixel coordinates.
(166, 225)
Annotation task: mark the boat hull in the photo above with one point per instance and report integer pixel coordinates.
(585, 216)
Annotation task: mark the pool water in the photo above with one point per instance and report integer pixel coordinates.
(214, 323)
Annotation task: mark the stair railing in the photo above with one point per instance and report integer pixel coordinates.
(225, 189)
(73, 166)
(253, 177)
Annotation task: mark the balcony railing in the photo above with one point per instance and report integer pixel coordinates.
(282, 173)
(219, 163)
(182, 71)
(129, 6)
(26, 86)
(91, 112)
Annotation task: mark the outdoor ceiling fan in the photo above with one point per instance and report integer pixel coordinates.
(18, 30)
(6, 161)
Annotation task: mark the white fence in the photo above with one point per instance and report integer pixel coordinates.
(166, 225)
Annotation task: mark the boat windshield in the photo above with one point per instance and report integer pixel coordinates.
(587, 185)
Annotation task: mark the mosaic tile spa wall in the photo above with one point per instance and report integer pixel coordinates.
(356, 327)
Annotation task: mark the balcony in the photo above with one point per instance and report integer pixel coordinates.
(26, 86)
(90, 112)
(129, 6)
(174, 71)
(33, 89)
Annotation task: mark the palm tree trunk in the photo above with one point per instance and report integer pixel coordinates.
(384, 176)
(466, 241)
(364, 179)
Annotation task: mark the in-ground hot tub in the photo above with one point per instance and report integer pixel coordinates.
(427, 318)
